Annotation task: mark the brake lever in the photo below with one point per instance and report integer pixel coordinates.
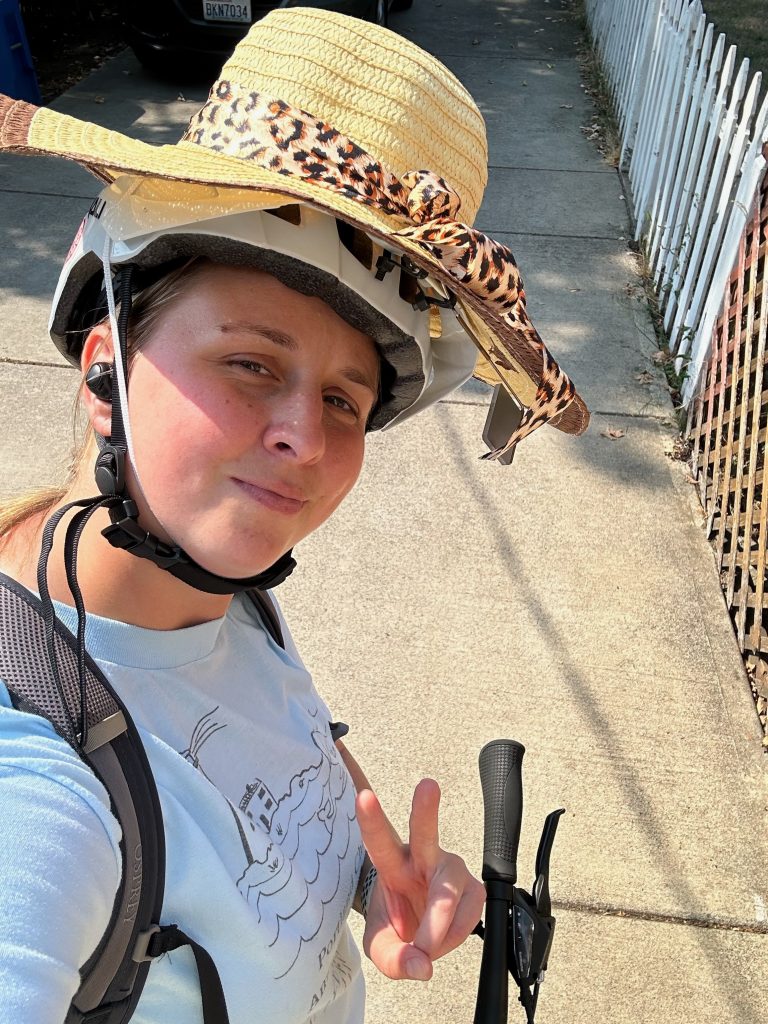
(541, 884)
(533, 925)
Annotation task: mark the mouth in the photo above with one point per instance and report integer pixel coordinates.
(277, 501)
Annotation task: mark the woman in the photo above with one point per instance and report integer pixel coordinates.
(243, 307)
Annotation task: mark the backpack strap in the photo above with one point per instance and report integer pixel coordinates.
(114, 976)
(265, 606)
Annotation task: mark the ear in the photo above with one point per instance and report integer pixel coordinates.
(98, 348)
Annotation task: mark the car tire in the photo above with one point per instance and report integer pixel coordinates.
(174, 67)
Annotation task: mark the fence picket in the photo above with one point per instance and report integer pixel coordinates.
(675, 44)
(698, 52)
(686, 150)
(638, 79)
(675, 184)
(753, 167)
(700, 196)
(646, 112)
(680, 219)
(727, 157)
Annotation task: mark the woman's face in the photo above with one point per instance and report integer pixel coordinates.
(248, 408)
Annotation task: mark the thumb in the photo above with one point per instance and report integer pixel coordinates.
(394, 958)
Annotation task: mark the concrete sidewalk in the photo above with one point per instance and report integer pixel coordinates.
(569, 601)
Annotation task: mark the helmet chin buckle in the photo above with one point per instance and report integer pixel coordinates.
(125, 532)
(110, 470)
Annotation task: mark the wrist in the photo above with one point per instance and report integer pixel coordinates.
(365, 885)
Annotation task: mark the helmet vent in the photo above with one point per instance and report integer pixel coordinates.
(291, 213)
(356, 242)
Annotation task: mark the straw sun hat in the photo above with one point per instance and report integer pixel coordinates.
(351, 119)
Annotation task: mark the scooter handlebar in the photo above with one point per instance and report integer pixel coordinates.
(502, 784)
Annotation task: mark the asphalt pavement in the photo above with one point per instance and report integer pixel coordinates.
(569, 601)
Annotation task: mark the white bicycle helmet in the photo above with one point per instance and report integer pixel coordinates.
(408, 316)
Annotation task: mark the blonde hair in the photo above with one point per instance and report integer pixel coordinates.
(147, 308)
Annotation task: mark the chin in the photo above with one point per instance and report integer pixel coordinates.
(236, 566)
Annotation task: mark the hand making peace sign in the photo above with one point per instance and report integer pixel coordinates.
(425, 901)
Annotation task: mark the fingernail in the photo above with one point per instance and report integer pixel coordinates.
(417, 969)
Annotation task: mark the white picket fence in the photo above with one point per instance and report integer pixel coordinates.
(692, 150)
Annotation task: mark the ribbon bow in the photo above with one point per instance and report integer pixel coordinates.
(292, 142)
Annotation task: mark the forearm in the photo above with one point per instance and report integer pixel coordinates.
(360, 782)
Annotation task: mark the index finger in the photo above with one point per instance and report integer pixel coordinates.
(384, 846)
(423, 831)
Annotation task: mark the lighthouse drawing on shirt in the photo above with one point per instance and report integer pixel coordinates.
(294, 844)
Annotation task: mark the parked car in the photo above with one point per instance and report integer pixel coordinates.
(186, 36)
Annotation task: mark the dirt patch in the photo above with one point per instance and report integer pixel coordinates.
(69, 40)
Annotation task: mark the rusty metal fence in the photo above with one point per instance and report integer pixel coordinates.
(728, 430)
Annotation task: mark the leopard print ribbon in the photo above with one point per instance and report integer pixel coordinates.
(292, 142)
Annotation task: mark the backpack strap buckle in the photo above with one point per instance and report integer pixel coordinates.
(141, 952)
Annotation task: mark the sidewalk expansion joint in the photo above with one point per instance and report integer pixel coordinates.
(714, 923)
(547, 58)
(48, 195)
(657, 416)
(499, 232)
(554, 170)
(634, 415)
(9, 361)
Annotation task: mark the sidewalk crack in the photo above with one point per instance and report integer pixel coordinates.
(692, 921)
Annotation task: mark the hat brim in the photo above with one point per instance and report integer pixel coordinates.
(27, 129)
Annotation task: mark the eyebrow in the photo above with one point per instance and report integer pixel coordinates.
(278, 337)
(283, 340)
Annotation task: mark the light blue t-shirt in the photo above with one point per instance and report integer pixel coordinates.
(262, 845)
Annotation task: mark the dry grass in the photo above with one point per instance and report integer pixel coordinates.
(745, 23)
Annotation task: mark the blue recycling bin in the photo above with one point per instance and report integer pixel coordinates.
(17, 72)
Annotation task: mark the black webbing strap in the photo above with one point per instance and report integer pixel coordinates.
(76, 690)
(268, 614)
(214, 1004)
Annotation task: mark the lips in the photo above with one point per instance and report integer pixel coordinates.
(278, 497)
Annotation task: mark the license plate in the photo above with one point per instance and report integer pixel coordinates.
(214, 10)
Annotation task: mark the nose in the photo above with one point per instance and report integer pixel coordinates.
(296, 428)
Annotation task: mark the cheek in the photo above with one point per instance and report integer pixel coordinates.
(177, 438)
(344, 468)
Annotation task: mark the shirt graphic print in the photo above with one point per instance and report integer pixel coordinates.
(295, 842)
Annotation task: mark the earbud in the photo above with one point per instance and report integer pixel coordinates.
(98, 379)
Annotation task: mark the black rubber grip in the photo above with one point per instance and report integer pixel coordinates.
(501, 778)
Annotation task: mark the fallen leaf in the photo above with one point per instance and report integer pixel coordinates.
(690, 479)
(646, 377)
(566, 106)
(660, 357)
(99, 99)
(182, 97)
(613, 433)
(475, 42)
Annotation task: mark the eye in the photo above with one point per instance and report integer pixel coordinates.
(341, 403)
(251, 366)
